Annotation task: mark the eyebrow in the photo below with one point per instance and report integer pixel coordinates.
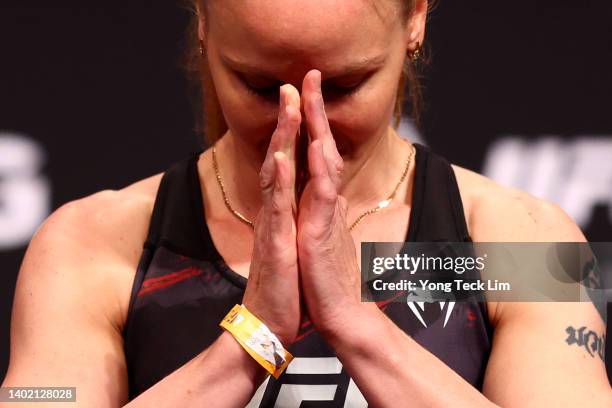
(351, 68)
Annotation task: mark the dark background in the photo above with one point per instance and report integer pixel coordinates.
(99, 91)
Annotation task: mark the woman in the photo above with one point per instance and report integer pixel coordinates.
(95, 310)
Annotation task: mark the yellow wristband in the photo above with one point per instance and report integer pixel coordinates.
(257, 340)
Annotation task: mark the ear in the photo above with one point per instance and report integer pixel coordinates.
(201, 23)
(415, 26)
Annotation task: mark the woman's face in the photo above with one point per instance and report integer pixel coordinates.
(359, 46)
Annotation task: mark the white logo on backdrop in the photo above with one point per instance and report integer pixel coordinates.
(576, 175)
(25, 194)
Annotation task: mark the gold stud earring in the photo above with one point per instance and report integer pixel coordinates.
(416, 54)
(201, 48)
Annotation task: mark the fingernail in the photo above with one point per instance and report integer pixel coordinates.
(278, 156)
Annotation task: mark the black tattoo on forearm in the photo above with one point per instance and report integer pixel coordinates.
(592, 343)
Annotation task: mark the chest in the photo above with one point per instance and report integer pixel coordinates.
(385, 226)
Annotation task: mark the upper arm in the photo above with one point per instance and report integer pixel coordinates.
(541, 355)
(66, 325)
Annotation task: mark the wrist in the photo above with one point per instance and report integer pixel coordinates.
(257, 340)
(351, 325)
(283, 332)
(239, 361)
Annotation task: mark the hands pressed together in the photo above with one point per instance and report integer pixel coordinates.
(304, 260)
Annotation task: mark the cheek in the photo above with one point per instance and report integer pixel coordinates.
(247, 117)
(363, 115)
(368, 113)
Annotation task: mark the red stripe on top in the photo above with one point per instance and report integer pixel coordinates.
(154, 284)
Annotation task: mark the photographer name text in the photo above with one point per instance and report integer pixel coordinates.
(457, 284)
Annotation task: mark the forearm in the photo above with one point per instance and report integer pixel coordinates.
(224, 375)
(388, 366)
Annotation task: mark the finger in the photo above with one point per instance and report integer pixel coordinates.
(289, 118)
(266, 173)
(280, 208)
(324, 194)
(301, 161)
(314, 108)
(293, 118)
(283, 138)
(266, 178)
(290, 149)
(318, 124)
(275, 182)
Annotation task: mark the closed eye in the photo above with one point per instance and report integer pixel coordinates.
(332, 89)
(271, 92)
(346, 89)
(268, 91)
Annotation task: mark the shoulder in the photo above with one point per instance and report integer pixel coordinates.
(91, 247)
(108, 221)
(75, 283)
(495, 213)
(498, 213)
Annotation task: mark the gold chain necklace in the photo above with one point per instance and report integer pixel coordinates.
(380, 206)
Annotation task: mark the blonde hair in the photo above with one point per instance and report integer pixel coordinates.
(209, 116)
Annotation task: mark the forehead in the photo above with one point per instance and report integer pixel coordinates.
(316, 32)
